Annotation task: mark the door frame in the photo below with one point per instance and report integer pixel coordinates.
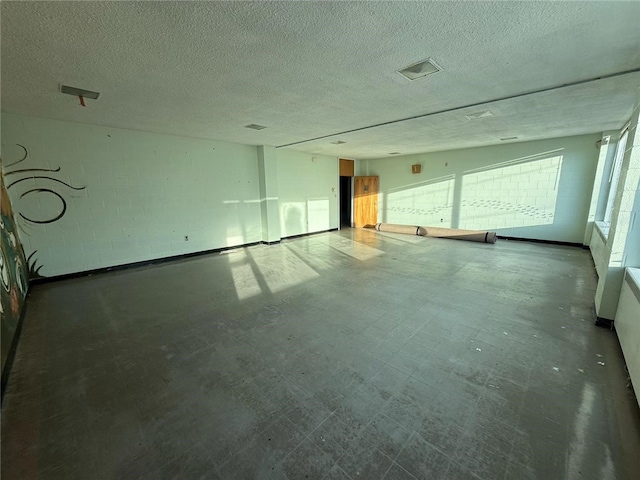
(350, 172)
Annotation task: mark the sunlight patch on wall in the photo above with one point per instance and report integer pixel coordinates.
(293, 218)
(237, 231)
(424, 203)
(517, 193)
(318, 214)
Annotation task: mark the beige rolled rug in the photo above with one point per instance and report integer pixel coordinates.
(393, 228)
(453, 233)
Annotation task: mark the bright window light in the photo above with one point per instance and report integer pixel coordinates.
(614, 178)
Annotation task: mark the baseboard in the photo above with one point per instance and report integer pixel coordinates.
(549, 242)
(143, 263)
(158, 261)
(309, 234)
(6, 369)
(604, 323)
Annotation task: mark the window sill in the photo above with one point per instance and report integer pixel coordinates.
(603, 229)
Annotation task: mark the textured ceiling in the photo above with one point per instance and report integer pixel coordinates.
(312, 69)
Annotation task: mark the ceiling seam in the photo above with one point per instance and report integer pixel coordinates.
(478, 104)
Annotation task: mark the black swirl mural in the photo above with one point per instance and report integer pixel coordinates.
(37, 181)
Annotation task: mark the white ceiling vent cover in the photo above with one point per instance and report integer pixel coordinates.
(477, 115)
(420, 69)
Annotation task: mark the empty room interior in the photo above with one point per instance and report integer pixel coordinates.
(320, 240)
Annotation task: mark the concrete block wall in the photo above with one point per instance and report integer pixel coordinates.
(143, 193)
(538, 190)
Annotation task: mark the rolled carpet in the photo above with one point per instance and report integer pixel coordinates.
(453, 233)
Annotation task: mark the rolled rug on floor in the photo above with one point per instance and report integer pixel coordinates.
(408, 229)
(459, 234)
(438, 232)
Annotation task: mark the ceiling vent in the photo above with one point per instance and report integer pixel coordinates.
(254, 126)
(506, 139)
(79, 92)
(419, 69)
(338, 142)
(476, 115)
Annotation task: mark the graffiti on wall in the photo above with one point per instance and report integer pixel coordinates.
(32, 182)
(13, 273)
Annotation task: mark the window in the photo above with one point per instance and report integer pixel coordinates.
(614, 178)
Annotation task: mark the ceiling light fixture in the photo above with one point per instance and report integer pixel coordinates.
(79, 92)
(475, 116)
(419, 69)
(255, 126)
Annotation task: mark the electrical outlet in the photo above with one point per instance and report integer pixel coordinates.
(186, 238)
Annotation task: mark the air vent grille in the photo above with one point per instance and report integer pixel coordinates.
(420, 69)
(476, 115)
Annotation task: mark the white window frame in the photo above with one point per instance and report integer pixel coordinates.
(614, 177)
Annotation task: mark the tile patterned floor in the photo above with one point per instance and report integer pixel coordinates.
(337, 356)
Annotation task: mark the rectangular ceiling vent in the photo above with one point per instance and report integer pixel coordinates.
(79, 92)
(476, 115)
(419, 69)
(254, 126)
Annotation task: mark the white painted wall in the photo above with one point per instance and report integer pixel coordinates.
(308, 192)
(628, 324)
(144, 193)
(538, 190)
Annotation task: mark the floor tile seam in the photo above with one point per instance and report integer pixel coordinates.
(453, 461)
(373, 374)
(358, 437)
(422, 382)
(281, 462)
(401, 467)
(343, 450)
(253, 438)
(373, 447)
(439, 450)
(174, 460)
(335, 464)
(387, 470)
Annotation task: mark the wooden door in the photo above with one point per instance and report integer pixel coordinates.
(365, 201)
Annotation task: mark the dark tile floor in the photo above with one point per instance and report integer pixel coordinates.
(338, 356)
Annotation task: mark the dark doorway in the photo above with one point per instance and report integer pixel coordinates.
(345, 202)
